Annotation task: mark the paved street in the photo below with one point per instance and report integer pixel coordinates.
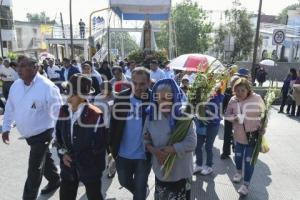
(276, 177)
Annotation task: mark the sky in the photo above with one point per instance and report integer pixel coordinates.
(82, 8)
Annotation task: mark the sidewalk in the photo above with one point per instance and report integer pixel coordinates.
(276, 176)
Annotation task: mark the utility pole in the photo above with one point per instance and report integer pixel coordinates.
(71, 31)
(256, 43)
(64, 49)
(108, 38)
(1, 42)
(62, 26)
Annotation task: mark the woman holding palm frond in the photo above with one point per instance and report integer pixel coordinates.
(245, 111)
(159, 126)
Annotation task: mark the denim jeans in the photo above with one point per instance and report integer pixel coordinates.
(208, 139)
(133, 175)
(244, 153)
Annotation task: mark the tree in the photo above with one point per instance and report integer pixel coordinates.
(220, 36)
(240, 28)
(116, 42)
(283, 14)
(191, 29)
(38, 17)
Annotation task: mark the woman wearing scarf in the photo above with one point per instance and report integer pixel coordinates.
(167, 99)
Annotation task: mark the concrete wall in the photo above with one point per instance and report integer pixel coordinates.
(278, 73)
(28, 36)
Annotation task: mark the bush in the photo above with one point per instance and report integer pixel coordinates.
(144, 58)
(12, 56)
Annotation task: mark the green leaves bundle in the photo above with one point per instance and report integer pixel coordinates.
(270, 97)
(180, 131)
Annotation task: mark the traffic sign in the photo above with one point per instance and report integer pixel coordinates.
(278, 36)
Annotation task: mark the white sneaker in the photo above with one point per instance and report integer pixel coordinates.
(207, 170)
(237, 178)
(243, 190)
(197, 168)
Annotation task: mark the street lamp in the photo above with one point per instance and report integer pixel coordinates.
(256, 43)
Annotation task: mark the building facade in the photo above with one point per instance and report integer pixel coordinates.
(31, 37)
(6, 28)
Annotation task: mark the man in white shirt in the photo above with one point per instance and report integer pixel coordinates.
(130, 67)
(156, 73)
(33, 103)
(53, 71)
(8, 76)
(168, 72)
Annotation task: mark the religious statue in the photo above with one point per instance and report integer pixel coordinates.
(147, 36)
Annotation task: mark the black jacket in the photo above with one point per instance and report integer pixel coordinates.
(88, 148)
(121, 109)
(227, 96)
(72, 70)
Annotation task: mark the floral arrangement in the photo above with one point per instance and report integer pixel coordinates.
(201, 90)
(269, 98)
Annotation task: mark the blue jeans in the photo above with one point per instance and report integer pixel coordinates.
(208, 139)
(133, 175)
(244, 153)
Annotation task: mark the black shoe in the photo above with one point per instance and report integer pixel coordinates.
(280, 111)
(50, 187)
(224, 156)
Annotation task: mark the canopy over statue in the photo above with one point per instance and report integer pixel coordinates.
(142, 9)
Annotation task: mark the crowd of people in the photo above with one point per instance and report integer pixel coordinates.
(291, 94)
(122, 116)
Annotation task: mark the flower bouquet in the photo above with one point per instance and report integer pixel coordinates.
(202, 88)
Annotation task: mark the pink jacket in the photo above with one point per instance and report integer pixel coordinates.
(252, 108)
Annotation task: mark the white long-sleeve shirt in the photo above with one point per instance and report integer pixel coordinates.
(157, 75)
(53, 72)
(34, 108)
(9, 73)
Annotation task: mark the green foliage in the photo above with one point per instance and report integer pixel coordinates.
(12, 56)
(283, 15)
(137, 56)
(116, 42)
(181, 129)
(38, 17)
(191, 29)
(220, 36)
(240, 28)
(143, 58)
